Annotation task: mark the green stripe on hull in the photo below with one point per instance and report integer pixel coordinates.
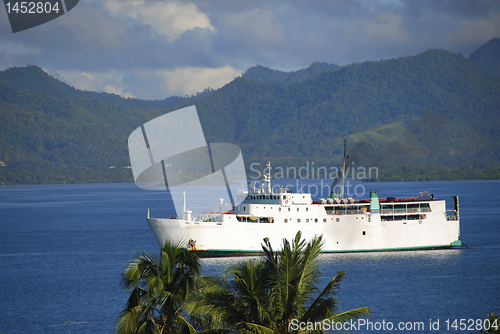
(234, 253)
(226, 253)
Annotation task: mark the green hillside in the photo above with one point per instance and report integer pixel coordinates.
(436, 108)
(264, 74)
(415, 117)
(488, 56)
(51, 131)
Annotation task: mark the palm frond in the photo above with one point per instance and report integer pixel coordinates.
(325, 303)
(250, 328)
(127, 322)
(159, 286)
(185, 325)
(351, 315)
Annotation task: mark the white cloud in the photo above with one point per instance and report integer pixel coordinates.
(93, 28)
(169, 19)
(109, 82)
(154, 49)
(149, 84)
(79, 80)
(191, 80)
(117, 90)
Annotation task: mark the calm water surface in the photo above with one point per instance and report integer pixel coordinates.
(63, 249)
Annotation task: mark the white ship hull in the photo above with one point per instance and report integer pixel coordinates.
(354, 226)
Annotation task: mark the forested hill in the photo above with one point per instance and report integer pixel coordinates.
(51, 132)
(435, 110)
(488, 56)
(264, 74)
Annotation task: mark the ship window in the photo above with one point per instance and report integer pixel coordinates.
(244, 208)
(315, 220)
(288, 209)
(364, 232)
(307, 209)
(324, 220)
(297, 209)
(298, 220)
(286, 220)
(279, 209)
(424, 207)
(337, 220)
(307, 220)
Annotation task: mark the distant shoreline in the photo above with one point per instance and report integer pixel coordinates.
(11, 176)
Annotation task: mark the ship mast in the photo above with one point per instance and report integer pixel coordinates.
(267, 177)
(343, 171)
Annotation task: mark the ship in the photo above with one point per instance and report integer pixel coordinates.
(271, 214)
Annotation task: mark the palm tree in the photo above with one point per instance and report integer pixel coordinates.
(265, 295)
(159, 286)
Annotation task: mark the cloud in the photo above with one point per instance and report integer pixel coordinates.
(190, 80)
(109, 82)
(148, 84)
(153, 49)
(118, 91)
(168, 19)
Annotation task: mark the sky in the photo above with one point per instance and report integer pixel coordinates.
(154, 49)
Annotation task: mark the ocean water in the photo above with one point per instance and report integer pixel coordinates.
(63, 249)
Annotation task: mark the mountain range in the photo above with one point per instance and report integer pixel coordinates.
(436, 110)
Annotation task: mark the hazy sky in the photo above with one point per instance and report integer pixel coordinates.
(153, 49)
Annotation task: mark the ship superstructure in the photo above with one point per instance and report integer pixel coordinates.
(347, 225)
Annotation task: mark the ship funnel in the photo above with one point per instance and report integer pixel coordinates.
(374, 203)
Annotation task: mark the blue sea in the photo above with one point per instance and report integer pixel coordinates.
(63, 249)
